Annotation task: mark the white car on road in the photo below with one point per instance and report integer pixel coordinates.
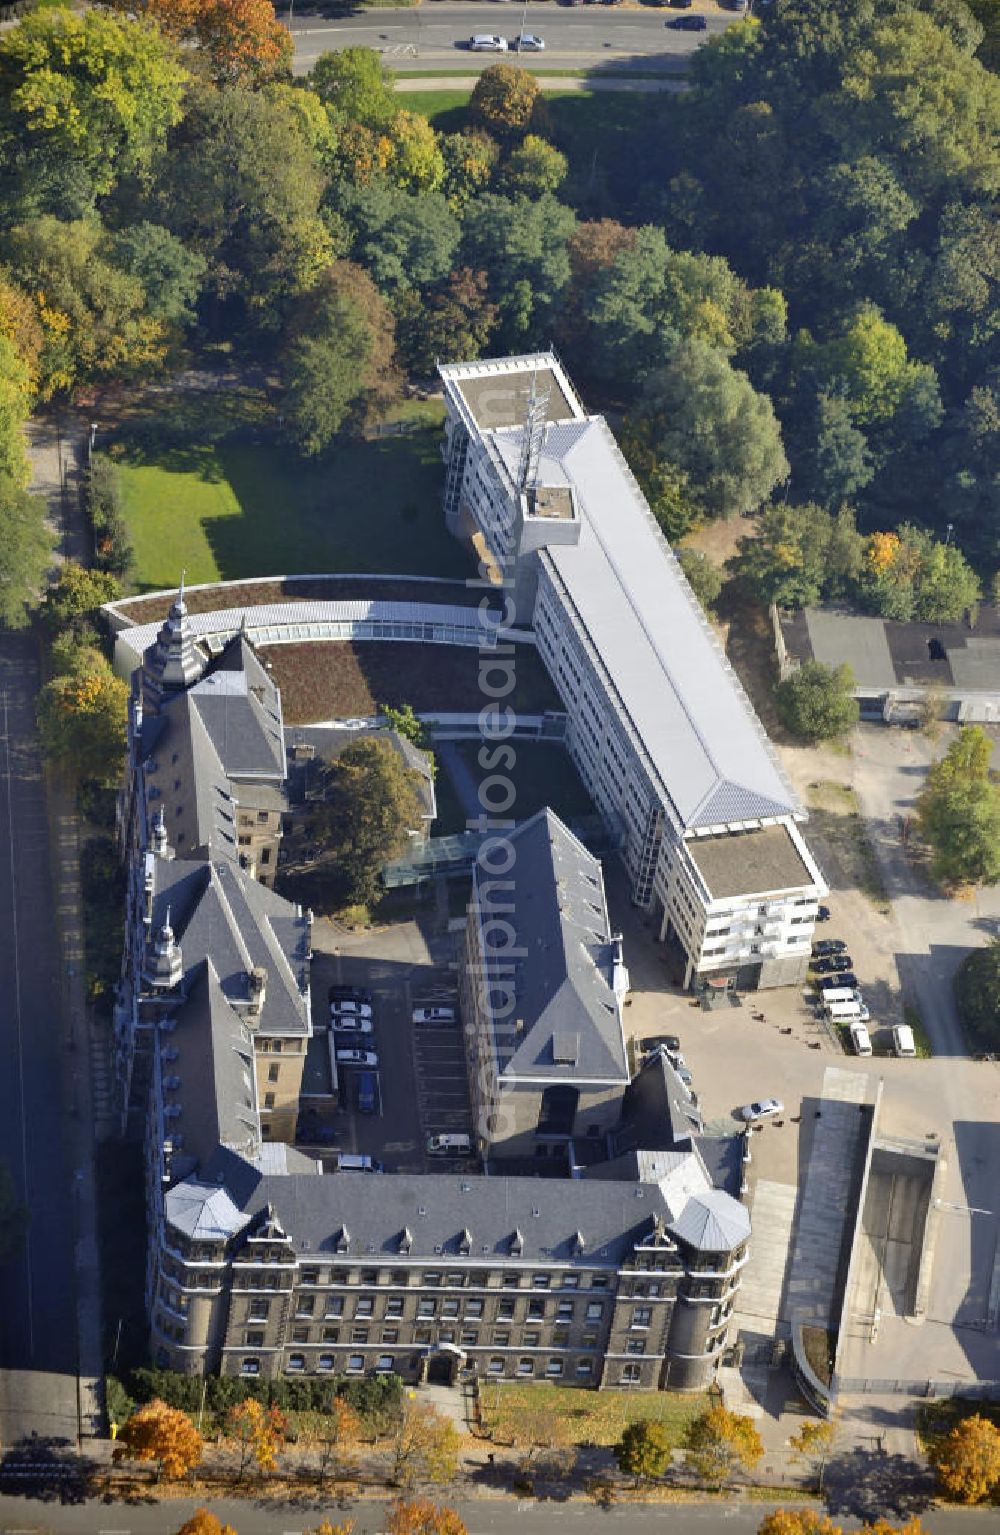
(487, 42)
(357, 1058)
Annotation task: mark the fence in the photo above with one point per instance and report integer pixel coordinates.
(977, 1390)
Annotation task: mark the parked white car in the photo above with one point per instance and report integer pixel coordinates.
(487, 42)
(357, 1058)
(348, 1009)
(860, 1039)
(347, 1023)
(434, 1015)
(767, 1108)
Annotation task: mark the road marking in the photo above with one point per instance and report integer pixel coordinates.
(17, 1014)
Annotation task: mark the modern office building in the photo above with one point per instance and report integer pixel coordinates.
(658, 725)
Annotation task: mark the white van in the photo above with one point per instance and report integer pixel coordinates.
(839, 994)
(903, 1042)
(449, 1145)
(860, 1039)
(844, 1012)
(349, 1162)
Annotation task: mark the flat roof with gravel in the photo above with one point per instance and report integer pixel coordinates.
(741, 863)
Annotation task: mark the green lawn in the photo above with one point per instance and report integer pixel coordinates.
(228, 511)
(593, 1417)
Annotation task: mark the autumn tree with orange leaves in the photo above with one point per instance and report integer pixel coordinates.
(257, 1432)
(204, 1522)
(240, 39)
(419, 1516)
(165, 1434)
(967, 1460)
(807, 1521)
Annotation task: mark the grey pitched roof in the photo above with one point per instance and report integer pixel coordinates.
(686, 706)
(566, 1023)
(203, 1211)
(186, 779)
(218, 912)
(241, 710)
(658, 1113)
(437, 1209)
(712, 1222)
(209, 1088)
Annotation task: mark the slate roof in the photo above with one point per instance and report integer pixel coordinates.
(658, 1113)
(712, 1222)
(203, 1211)
(566, 1023)
(240, 708)
(437, 1209)
(209, 1076)
(687, 709)
(219, 912)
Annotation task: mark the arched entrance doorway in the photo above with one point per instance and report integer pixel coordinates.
(440, 1365)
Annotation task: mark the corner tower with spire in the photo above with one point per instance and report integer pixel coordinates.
(173, 662)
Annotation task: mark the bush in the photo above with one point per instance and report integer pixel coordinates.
(112, 547)
(118, 1405)
(816, 702)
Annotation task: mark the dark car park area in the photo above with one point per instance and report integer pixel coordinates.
(418, 1088)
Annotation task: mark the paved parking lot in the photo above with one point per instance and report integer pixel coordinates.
(421, 1079)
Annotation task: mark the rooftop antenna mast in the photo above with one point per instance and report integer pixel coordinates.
(534, 435)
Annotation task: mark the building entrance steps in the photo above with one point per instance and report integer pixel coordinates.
(826, 1197)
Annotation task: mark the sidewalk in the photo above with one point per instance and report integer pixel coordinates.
(56, 447)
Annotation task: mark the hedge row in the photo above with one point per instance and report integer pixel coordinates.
(112, 547)
(375, 1399)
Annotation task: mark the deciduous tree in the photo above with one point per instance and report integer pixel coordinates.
(419, 1516)
(798, 1521)
(357, 85)
(534, 167)
(238, 39)
(258, 1432)
(720, 1442)
(337, 361)
(164, 1434)
(15, 403)
(816, 702)
(452, 321)
(25, 552)
(82, 719)
(706, 418)
(967, 1460)
(643, 1451)
(75, 594)
(977, 992)
(505, 102)
(426, 1443)
(204, 1522)
(402, 240)
(522, 246)
(704, 577)
(799, 554)
(958, 810)
(85, 98)
(469, 163)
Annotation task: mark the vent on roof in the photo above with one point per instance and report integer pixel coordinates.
(438, 1248)
(421, 1209)
(578, 1243)
(535, 1212)
(405, 1239)
(465, 1241)
(516, 1244)
(342, 1240)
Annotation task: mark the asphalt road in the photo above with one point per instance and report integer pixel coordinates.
(37, 1290)
(500, 1517)
(437, 34)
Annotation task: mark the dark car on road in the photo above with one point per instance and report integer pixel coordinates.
(826, 946)
(688, 24)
